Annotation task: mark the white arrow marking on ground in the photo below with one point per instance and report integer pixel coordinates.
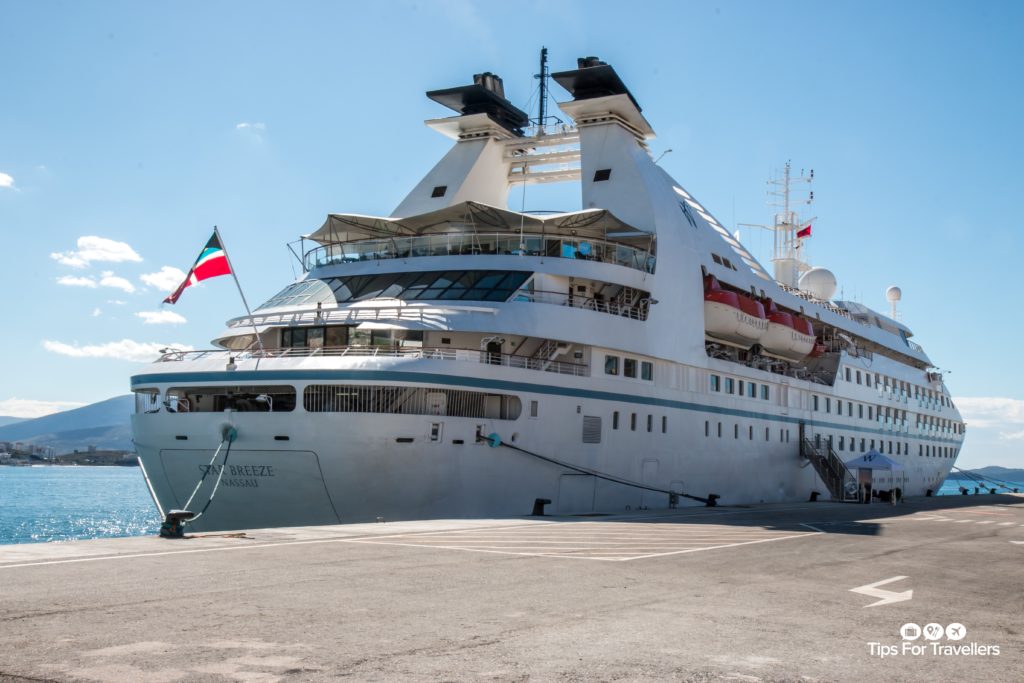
(887, 597)
(1018, 542)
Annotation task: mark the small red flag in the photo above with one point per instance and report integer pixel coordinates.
(806, 232)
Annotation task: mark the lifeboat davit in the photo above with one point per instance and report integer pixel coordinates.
(731, 317)
(788, 336)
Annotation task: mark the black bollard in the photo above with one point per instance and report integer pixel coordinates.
(928, 493)
(713, 500)
(538, 506)
(814, 497)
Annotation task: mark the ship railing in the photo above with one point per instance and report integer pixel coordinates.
(475, 243)
(634, 311)
(821, 302)
(446, 353)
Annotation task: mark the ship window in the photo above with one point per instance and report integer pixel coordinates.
(602, 174)
(729, 385)
(847, 374)
(842, 442)
(828, 405)
(707, 428)
(611, 365)
(716, 383)
(239, 398)
(867, 379)
(815, 403)
(615, 420)
(862, 449)
(664, 424)
(742, 387)
(871, 415)
(439, 191)
(765, 391)
(399, 400)
(849, 408)
(716, 258)
(780, 436)
(860, 410)
(750, 432)
(534, 408)
(735, 431)
(650, 423)
(632, 422)
(147, 401)
(858, 377)
(767, 433)
(839, 406)
(646, 370)
(629, 367)
(719, 430)
(751, 390)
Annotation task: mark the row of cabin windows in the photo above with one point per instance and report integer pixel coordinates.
(629, 367)
(748, 432)
(891, 447)
(332, 336)
(633, 422)
(895, 386)
(887, 414)
(739, 387)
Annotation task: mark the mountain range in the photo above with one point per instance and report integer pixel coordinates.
(105, 425)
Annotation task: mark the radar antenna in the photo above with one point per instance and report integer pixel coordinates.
(543, 76)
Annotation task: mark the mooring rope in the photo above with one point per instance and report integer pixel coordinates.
(586, 470)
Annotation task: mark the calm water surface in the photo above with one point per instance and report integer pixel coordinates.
(66, 503)
(40, 504)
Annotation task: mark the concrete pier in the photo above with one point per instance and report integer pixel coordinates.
(817, 592)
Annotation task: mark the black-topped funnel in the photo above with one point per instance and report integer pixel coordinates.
(593, 78)
(485, 96)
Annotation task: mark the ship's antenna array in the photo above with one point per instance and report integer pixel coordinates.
(542, 108)
(790, 229)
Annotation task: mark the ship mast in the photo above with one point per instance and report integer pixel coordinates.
(790, 230)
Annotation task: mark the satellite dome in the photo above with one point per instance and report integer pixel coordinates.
(893, 294)
(819, 283)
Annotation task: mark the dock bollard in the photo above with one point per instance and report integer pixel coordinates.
(713, 500)
(538, 506)
(814, 497)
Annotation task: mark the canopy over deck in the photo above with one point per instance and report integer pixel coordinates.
(481, 218)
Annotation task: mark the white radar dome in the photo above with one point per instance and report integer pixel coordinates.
(893, 294)
(819, 283)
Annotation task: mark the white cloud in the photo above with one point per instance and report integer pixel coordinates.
(126, 349)
(165, 280)
(1012, 436)
(70, 281)
(96, 312)
(989, 412)
(92, 248)
(245, 125)
(108, 279)
(116, 302)
(29, 408)
(6, 181)
(161, 317)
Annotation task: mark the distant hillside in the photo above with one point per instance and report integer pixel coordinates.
(1001, 473)
(5, 420)
(105, 425)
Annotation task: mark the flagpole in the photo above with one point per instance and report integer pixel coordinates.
(252, 321)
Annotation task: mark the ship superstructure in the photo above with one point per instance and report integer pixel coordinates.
(461, 359)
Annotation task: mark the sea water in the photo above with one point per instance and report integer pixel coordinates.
(951, 487)
(48, 503)
(40, 504)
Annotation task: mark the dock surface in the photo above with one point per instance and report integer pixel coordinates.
(766, 593)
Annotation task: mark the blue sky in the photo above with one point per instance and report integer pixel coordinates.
(129, 129)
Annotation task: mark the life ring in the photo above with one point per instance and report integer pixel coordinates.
(851, 487)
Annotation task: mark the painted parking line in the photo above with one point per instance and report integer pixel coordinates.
(604, 541)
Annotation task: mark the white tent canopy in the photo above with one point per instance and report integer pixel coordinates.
(476, 217)
(873, 460)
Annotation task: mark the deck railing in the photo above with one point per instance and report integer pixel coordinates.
(451, 244)
(449, 354)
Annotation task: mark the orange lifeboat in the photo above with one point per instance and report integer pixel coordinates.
(789, 336)
(731, 317)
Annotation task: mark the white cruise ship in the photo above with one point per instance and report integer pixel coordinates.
(461, 359)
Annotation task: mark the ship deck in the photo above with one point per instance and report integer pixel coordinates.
(740, 594)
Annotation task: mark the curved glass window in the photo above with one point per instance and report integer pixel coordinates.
(451, 285)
